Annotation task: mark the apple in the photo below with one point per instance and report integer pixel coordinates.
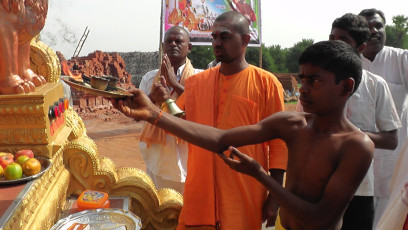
(21, 159)
(6, 154)
(13, 171)
(6, 160)
(26, 152)
(1, 171)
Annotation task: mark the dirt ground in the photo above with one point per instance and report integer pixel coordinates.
(117, 136)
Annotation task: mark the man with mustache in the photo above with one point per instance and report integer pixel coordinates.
(391, 64)
(229, 95)
(164, 155)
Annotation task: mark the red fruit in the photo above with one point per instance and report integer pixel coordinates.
(6, 160)
(26, 152)
(8, 154)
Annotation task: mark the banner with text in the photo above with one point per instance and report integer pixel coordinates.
(197, 17)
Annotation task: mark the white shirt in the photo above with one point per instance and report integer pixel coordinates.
(371, 109)
(391, 64)
(170, 161)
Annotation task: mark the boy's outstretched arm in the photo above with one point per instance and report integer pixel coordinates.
(338, 192)
(140, 107)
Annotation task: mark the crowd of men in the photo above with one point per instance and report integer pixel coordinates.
(229, 154)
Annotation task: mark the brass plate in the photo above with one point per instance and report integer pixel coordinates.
(103, 218)
(85, 87)
(45, 165)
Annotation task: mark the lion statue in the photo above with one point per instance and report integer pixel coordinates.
(20, 21)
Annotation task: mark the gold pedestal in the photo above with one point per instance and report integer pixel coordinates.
(76, 166)
(24, 121)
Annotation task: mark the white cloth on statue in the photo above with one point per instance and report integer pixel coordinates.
(396, 212)
(370, 108)
(391, 64)
(170, 161)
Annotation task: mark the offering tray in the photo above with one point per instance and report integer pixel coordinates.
(45, 165)
(103, 218)
(110, 92)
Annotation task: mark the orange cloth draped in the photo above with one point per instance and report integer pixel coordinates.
(214, 193)
(152, 134)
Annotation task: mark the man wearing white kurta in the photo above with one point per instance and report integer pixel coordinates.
(166, 156)
(391, 64)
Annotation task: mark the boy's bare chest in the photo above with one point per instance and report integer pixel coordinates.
(311, 163)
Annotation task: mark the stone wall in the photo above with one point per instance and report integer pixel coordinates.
(139, 63)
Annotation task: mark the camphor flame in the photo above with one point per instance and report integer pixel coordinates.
(66, 71)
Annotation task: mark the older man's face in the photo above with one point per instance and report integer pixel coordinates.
(377, 39)
(176, 45)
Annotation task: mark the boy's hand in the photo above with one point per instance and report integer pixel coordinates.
(137, 106)
(244, 164)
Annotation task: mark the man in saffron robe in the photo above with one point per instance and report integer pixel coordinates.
(230, 95)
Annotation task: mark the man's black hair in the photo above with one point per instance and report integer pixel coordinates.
(371, 12)
(355, 25)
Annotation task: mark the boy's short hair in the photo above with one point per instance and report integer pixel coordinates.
(336, 57)
(371, 12)
(355, 25)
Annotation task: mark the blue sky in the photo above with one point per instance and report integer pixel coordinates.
(134, 25)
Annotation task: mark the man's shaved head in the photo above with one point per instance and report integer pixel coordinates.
(179, 30)
(237, 21)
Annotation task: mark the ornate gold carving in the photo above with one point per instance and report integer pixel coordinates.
(157, 209)
(44, 61)
(74, 121)
(23, 136)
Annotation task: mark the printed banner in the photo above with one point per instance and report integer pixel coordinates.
(197, 17)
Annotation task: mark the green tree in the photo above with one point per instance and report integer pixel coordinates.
(200, 56)
(279, 57)
(294, 54)
(252, 57)
(397, 34)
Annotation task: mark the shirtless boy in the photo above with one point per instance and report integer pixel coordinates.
(328, 156)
